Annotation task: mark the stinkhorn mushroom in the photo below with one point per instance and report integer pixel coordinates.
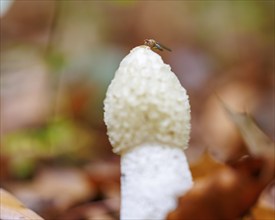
(147, 114)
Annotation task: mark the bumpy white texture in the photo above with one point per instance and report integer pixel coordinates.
(152, 179)
(145, 103)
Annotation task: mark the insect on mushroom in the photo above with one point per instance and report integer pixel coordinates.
(155, 45)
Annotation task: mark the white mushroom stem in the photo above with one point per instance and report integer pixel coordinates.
(147, 114)
(153, 176)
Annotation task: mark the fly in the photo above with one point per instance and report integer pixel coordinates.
(155, 45)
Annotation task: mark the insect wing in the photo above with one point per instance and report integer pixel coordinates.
(157, 46)
(161, 47)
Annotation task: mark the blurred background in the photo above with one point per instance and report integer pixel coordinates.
(58, 58)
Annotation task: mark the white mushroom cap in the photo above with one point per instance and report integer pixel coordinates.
(146, 103)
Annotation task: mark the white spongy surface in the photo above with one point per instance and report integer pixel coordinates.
(146, 103)
(153, 177)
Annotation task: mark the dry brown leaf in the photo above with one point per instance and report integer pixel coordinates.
(227, 194)
(258, 144)
(219, 133)
(95, 210)
(231, 192)
(263, 213)
(205, 165)
(13, 209)
(54, 190)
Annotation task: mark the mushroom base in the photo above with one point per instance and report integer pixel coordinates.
(152, 179)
